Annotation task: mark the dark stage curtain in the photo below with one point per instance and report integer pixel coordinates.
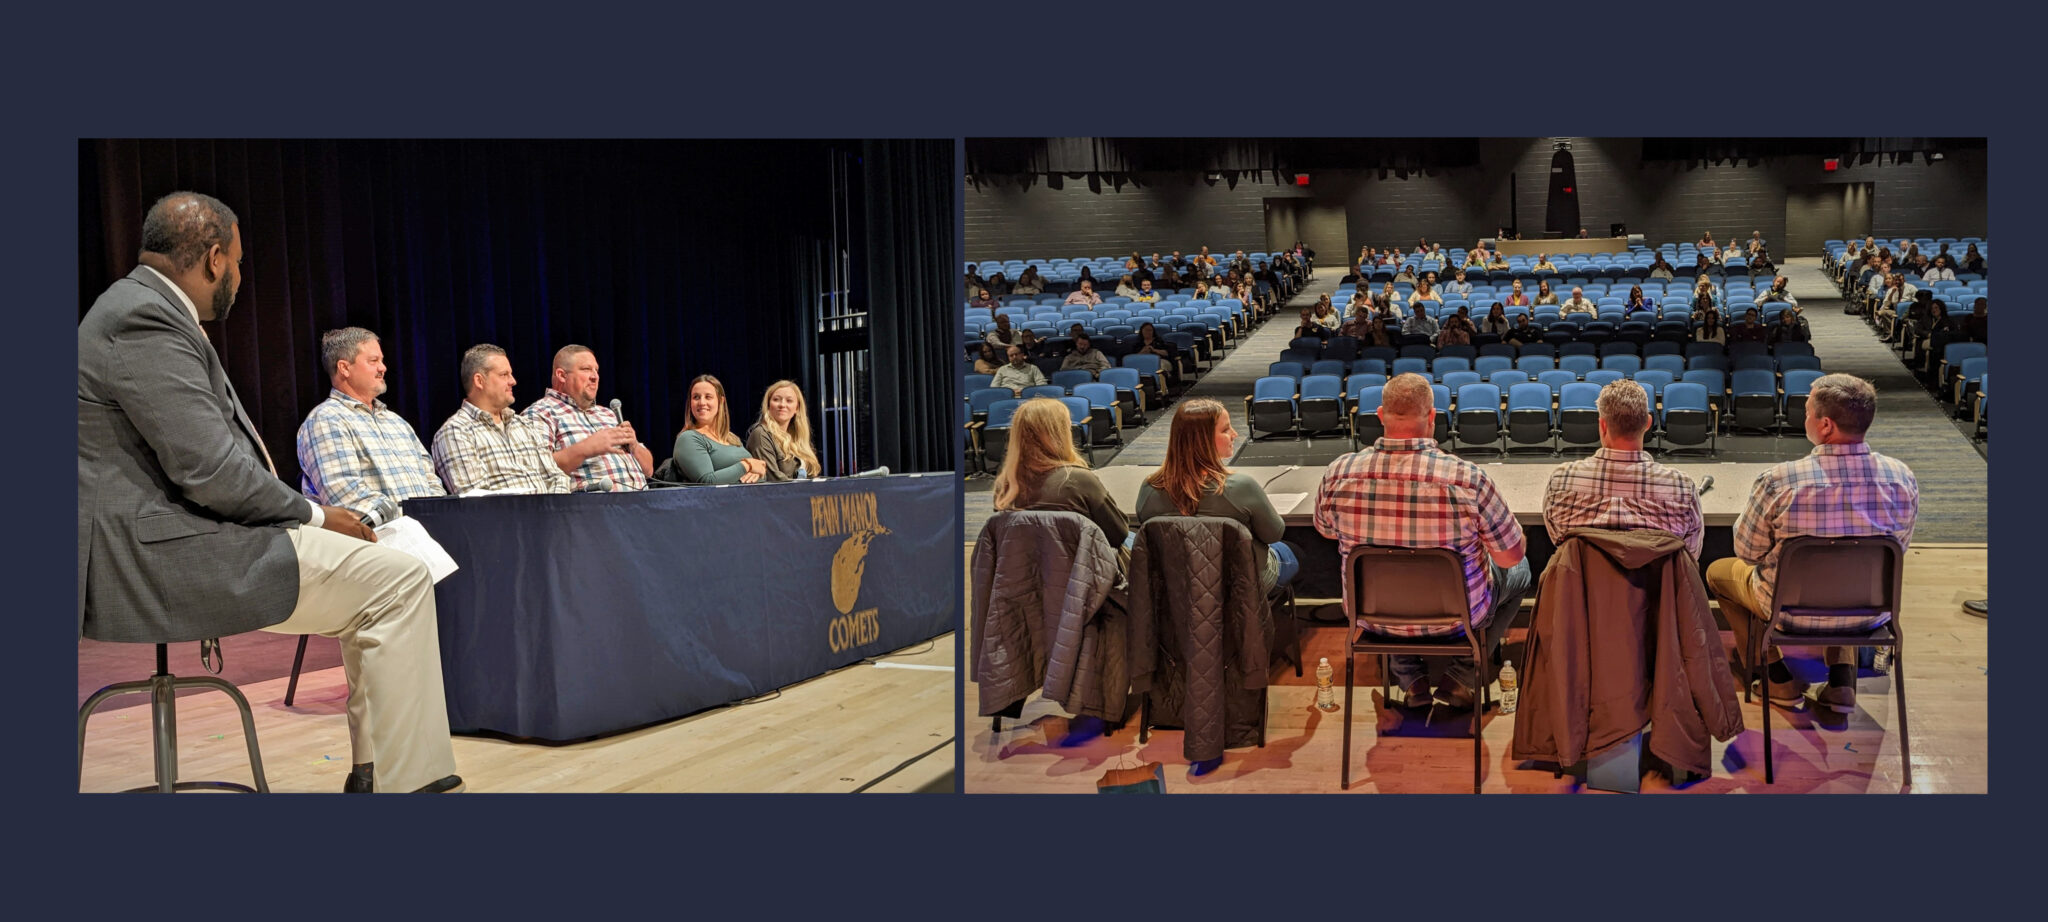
(670, 259)
(908, 189)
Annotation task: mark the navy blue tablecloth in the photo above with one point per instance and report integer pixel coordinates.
(579, 615)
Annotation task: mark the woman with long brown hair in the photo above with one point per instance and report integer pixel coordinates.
(781, 436)
(706, 450)
(1193, 481)
(1041, 470)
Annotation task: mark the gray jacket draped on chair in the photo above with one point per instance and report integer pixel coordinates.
(1039, 622)
(1201, 632)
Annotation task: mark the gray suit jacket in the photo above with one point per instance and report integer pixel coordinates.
(179, 520)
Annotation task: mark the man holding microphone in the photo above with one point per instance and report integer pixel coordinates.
(591, 443)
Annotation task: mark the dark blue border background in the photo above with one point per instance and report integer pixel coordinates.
(601, 70)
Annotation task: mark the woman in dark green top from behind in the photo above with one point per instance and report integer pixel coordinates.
(706, 450)
(1193, 481)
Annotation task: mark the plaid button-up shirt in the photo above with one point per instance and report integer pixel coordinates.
(1625, 491)
(363, 458)
(1837, 491)
(566, 424)
(473, 451)
(1406, 493)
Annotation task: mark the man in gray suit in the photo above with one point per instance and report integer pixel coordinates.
(186, 533)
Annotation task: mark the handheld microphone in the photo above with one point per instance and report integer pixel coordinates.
(597, 485)
(882, 471)
(1706, 485)
(621, 414)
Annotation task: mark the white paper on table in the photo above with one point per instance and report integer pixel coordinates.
(1284, 503)
(487, 491)
(409, 536)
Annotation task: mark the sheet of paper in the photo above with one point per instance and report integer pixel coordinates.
(1284, 503)
(408, 535)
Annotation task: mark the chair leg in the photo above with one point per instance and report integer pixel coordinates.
(1350, 660)
(1899, 687)
(1144, 717)
(92, 704)
(291, 689)
(1262, 716)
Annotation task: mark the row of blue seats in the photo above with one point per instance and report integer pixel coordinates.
(1308, 349)
(1579, 365)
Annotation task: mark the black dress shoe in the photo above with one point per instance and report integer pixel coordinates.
(361, 780)
(448, 785)
(1979, 607)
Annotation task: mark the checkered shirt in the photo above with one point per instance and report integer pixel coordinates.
(1624, 491)
(1406, 493)
(472, 451)
(566, 425)
(1837, 491)
(363, 458)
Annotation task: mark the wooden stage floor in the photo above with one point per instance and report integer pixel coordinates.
(1947, 663)
(872, 728)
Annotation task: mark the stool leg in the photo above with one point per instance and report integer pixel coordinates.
(1349, 660)
(93, 704)
(248, 722)
(1899, 686)
(298, 659)
(163, 719)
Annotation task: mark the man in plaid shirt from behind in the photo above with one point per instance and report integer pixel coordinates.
(1619, 487)
(1403, 492)
(1842, 489)
(354, 452)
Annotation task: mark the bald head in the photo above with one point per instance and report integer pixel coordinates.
(565, 357)
(183, 226)
(1408, 407)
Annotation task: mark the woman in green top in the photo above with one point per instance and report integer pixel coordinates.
(1193, 481)
(707, 451)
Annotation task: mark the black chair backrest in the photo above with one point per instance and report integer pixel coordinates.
(1423, 586)
(1839, 575)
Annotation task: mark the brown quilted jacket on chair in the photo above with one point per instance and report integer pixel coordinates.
(1200, 630)
(1623, 636)
(1039, 622)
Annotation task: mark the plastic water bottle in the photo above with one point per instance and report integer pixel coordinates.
(1326, 695)
(1508, 692)
(1882, 660)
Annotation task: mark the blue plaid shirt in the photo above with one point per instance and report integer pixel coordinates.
(1837, 491)
(363, 458)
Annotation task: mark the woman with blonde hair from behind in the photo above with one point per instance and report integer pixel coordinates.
(781, 436)
(1042, 471)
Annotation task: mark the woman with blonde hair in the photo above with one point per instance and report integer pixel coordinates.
(781, 436)
(706, 450)
(1193, 481)
(1042, 471)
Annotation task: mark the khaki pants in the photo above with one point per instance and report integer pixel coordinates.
(1730, 581)
(380, 604)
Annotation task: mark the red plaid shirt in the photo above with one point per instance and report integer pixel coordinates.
(1622, 490)
(1837, 491)
(1406, 493)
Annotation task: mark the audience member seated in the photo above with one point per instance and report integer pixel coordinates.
(1497, 263)
(1145, 293)
(1170, 277)
(1029, 283)
(1085, 357)
(1973, 261)
(986, 361)
(975, 283)
(1702, 265)
(1497, 321)
(1780, 290)
(1732, 251)
(1577, 304)
(1750, 330)
(1394, 297)
(1034, 348)
(1523, 332)
(1457, 287)
(1706, 325)
(1127, 287)
(1841, 489)
(1543, 263)
(1404, 492)
(1637, 301)
(999, 286)
(355, 453)
(1419, 323)
(781, 436)
(983, 300)
(1620, 487)
(1149, 343)
(1705, 287)
(1659, 269)
(486, 446)
(1019, 374)
(1706, 241)
(1458, 329)
(1939, 271)
(1085, 294)
(1003, 335)
(1977, 327)
(1518, 298)
(1884, 310)
(591, 443)
(1790, 328)
(1543, 293)
(1424, 292)
(1193, 481)
(1042, 471)
(1406, 275)
(706, 451)
(1361, 324)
